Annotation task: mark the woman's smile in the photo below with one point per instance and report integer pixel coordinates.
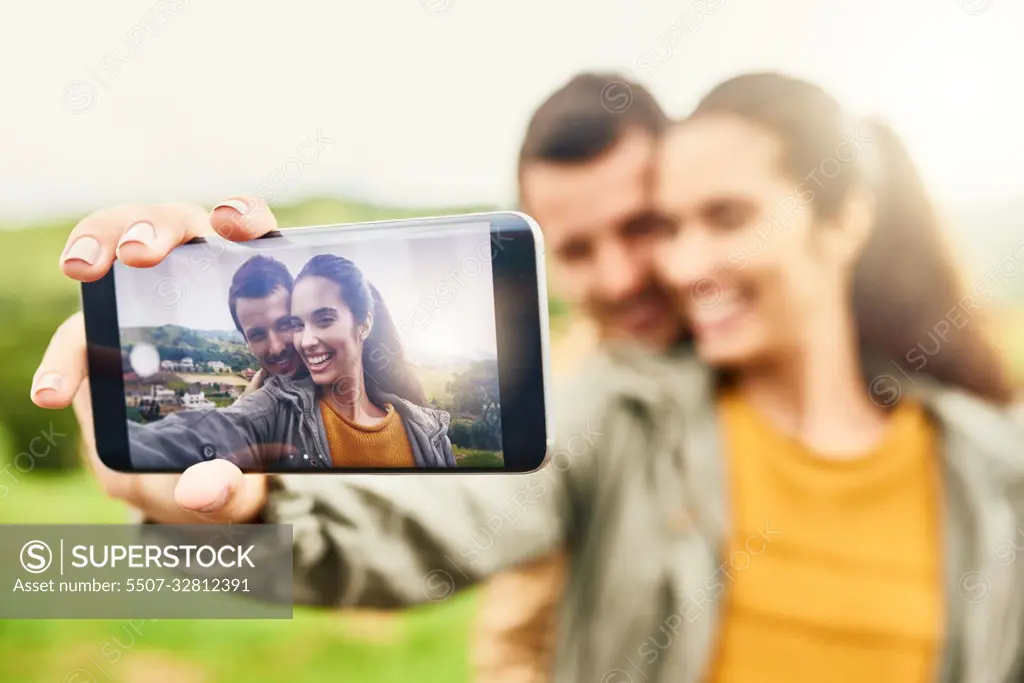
(318, 361)
(717, 313)
(326, 333)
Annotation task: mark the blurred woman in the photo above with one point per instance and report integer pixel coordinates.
(360, 407)
(812, 268)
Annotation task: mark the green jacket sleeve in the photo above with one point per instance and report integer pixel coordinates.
(387, 541)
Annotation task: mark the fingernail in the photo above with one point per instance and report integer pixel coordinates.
(217, 503)
(47, 380)
(236, 204)
(83, 249)
(142, 232)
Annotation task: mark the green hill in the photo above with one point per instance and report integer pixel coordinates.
(175, 342)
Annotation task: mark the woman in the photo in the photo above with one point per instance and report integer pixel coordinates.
(346, 337)
(360, 407)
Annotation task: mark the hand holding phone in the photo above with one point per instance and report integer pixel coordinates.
(333, 386)
(213, 492)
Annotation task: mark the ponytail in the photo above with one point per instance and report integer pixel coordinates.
(384, 364)
(910, 304)
(910, 300)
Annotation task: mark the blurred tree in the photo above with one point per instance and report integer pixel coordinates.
(460, 432)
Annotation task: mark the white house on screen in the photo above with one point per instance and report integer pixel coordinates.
(196, 402)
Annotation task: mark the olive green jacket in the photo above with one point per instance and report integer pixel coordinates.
(634, 491)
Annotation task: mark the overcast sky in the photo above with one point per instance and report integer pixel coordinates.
(191, 286)
(424, 101)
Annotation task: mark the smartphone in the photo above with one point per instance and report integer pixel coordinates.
(395, 346)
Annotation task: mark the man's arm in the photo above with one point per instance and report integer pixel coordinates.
(239, 433)
(382, 542)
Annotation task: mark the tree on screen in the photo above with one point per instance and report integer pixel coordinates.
(475, 396)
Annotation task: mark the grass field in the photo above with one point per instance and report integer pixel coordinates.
(471, 457)
(313, 647)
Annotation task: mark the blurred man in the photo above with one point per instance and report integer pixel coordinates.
(586, 175)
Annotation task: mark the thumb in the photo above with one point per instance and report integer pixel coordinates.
(219, 492)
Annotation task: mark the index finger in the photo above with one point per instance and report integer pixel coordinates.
(142, 236)
(139, 235)
(242, 218)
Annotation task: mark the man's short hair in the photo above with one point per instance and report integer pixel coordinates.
(586, 117)
(257, 278)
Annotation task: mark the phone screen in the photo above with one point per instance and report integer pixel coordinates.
(355, 348)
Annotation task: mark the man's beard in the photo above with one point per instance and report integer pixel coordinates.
(270, 361)
(614, 315)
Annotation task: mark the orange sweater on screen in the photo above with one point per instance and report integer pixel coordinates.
(384, 444)
(849, 586)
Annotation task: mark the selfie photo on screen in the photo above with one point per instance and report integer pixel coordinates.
(373, 355)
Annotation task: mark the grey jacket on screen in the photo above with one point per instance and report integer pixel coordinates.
(278, 426)
(635, 491)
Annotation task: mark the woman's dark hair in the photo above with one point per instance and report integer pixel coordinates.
(908, 297)
(385, 369)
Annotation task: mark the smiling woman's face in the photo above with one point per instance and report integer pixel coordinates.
(744, 264)
(327, 336)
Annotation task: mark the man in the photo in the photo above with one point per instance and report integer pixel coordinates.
(586, 174)
(259, 300)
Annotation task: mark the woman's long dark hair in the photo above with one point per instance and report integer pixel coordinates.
(385, 368)
(908, 298)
